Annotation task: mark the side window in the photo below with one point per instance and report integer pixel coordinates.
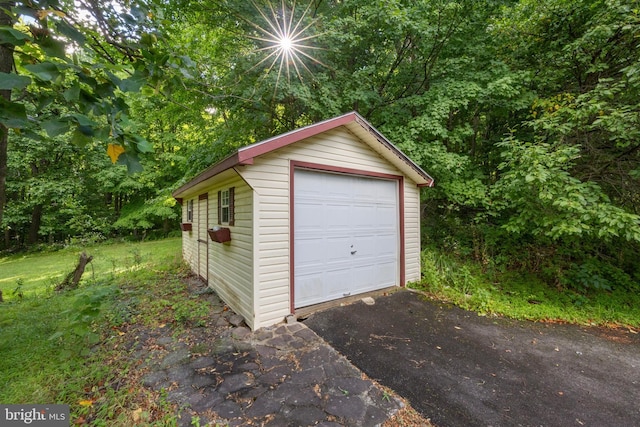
(190, 211)
(226, 206)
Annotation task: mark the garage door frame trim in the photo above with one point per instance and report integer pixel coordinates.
(295, 164)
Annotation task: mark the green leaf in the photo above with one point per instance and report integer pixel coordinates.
(80, 138)
(53, 47)
(13, 81)
(12, 114)
(83, 120)
(72, 93)
(93, 338)
(12, 36)
(25, 10)
(133, 83)
(71, 32)
(55, 127)
(102, 133)
(142, 144)
(43, 102)
(46, 71)
(27, 133)
(86, 130)
(131, 161)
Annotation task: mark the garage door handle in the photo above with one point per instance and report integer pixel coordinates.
(353, 252)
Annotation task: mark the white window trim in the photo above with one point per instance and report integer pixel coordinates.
(190, 211)
(224, 206)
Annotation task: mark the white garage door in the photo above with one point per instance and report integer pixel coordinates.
(345, 236)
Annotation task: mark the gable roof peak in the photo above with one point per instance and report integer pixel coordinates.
(353, 121)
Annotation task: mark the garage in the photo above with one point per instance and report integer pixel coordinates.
(346, 235)
(326, 211)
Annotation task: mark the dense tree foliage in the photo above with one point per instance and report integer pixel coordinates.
(526, 113)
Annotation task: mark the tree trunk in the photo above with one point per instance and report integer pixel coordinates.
(34, 228)
(6, 66)
(73, 279)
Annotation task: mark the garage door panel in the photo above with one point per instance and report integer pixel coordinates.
(365, 247)
(309, 251)
(369, 279)
(386, 271)
(387, 215)
(349, 214)
(336, 216)
(387, 245)
(310, 288)
(309, 216)
(372, 189)
(337, 282)
(375, 246)
(305, 185)
(333, 185)
(364, 191)
(337, 249)
(363, 216)
(363, 277)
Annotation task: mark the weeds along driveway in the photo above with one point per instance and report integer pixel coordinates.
(459, 369)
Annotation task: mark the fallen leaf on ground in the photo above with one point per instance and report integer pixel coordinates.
(136, 415)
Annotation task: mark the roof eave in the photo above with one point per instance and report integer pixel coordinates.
(245, 155)
(423, 179)
(228, 163)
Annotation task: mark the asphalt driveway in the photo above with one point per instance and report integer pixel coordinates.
(460, 369)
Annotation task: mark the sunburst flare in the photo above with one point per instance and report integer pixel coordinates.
(287, 44)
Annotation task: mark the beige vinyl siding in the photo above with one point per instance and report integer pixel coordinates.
(190, 238)
(269, 177)
(231, 264)
(412, 231)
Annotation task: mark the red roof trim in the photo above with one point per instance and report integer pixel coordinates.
(245, 156)
(288, 138)
(228, 163)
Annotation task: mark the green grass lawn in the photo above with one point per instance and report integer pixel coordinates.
(56, 347)
(39, 273)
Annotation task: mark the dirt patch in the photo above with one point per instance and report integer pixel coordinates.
(618, 334)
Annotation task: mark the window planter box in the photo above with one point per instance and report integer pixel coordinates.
(220, 234)
(186, 226)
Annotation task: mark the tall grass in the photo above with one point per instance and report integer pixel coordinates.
(523, 296)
